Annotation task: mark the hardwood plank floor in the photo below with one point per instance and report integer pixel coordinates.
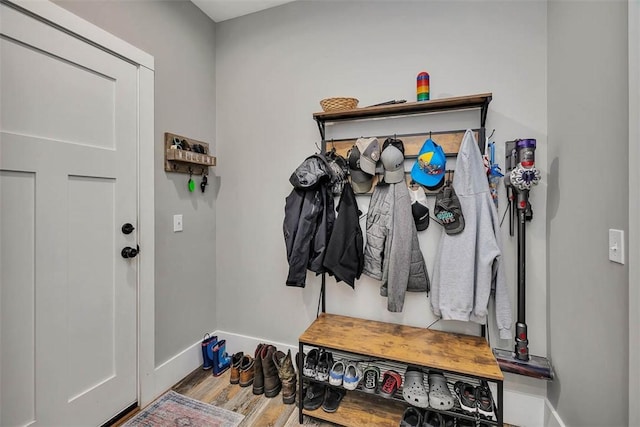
(259, 411)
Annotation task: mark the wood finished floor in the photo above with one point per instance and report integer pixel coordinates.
(258, 411)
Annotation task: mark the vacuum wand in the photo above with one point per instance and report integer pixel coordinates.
(521, 178)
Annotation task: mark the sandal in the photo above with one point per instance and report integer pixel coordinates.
(391, 382)
(370, 378)
(414, 391)
(439, 395)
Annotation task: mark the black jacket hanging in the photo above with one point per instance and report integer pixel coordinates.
(345, 253)
(308, 218)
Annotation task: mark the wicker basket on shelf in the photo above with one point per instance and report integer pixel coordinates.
(338, 104)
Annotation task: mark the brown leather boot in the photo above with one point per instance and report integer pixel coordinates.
(235, 368)
(272, 384)
(246, 371)
(258, 379)
(287, 375)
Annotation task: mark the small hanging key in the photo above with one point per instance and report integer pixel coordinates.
(204, 182)
(191, 184)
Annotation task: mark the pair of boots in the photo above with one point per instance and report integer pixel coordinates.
(214, 355)
(269, 371)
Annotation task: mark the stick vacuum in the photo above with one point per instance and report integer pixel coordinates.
(521, 175)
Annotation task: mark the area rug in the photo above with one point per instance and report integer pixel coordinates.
(175, 410)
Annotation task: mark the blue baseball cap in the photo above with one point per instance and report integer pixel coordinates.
(429, 168)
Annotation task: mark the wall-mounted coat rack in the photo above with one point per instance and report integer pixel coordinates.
(186, 155)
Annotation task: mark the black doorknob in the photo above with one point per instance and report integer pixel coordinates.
(129, 252)
(127, 228)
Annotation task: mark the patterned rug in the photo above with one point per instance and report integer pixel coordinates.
(175, 410)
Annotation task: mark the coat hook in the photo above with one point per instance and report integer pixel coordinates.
(429, 134)
(317, 146)
(492, 132)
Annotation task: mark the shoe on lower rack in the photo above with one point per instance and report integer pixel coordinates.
(314, 396)
(413, 390)
(439, 395)
(411, 418)
(352, 376)
(484, 402)
(336, 373)
(325, 363)
(433, 419)
(332, 398)
(311, 363)
(391, 382)
(467, 396)
(370, 379)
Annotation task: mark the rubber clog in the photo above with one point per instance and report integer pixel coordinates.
(439, 395)
(414, 391)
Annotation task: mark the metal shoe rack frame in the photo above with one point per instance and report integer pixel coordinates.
(479, 101)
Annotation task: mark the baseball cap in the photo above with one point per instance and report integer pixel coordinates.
(419, 208)
(448, 210)
(369, 154)
(429, 168)
(393, 163)
(360, 181)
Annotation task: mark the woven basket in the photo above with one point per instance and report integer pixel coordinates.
(338, 104)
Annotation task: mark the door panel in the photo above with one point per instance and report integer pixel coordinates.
(91, 287)
(17, 276)
(68, 125)
(83, 97)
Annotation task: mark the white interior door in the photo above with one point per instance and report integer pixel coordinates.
(68, 180)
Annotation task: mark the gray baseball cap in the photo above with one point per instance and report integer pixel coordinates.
(369, 154)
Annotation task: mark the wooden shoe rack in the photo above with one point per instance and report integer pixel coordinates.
(459, 357)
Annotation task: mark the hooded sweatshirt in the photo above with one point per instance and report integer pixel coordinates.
(468, 263)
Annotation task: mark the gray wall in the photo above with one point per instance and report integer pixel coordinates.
(273, 67)
(181, 39)
(588, 190)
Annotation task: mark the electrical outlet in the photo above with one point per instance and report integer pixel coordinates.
(616, 246)
(177, 223)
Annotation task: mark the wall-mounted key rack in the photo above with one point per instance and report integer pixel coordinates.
(186, 155)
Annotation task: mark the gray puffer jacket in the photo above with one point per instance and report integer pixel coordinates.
(392, 253)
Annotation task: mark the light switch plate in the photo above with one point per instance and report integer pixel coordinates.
(177, 223)
(616, 246)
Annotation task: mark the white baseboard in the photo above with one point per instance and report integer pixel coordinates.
(177, 368)
(551, 417)
(247, 345)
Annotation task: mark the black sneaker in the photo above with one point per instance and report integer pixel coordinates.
(484, 402)
(332, 398)
(467, 396)
(325, 362)
(313, 397)
(310, 363)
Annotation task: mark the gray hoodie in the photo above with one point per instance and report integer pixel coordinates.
(468, 263)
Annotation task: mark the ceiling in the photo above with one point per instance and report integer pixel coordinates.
(221, 10)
